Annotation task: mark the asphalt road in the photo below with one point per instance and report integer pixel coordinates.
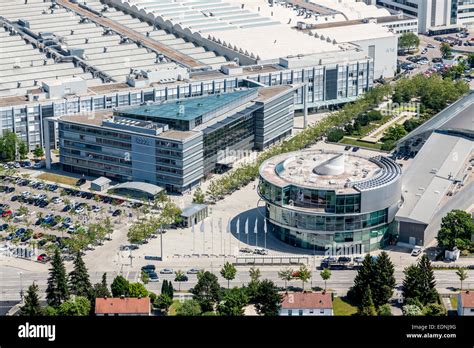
(340, 281)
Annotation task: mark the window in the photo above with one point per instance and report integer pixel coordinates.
(290, 312)
(300, 312)
(311, 311)
(321, 311)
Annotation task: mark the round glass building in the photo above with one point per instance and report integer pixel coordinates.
(322, 199)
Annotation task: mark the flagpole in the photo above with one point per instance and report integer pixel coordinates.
(265, 231)
(256, 231)
(247, 230)
(220, 230)
(212, 236)
(192, 231)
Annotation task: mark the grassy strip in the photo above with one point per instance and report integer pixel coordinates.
(61, 179)
(355, 142)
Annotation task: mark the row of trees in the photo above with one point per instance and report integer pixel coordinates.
(71, 295)
(246, 173)
(210, 299)
(146, 226)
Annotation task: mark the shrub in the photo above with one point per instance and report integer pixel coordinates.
(335, 135)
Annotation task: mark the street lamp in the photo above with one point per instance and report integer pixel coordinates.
(21, 285)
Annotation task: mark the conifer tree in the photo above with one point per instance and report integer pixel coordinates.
(366, 307)
(79, 283)
(57, 291)
(32, 306)
(384, 281)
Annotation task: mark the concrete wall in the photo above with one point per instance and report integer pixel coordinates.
(385, 59)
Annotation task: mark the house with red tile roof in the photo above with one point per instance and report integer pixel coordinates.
(466, 303)
(122, 306)
(306, 304)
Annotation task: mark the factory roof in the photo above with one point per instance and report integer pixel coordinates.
(427, 180)
(356, 32)
(328, 170)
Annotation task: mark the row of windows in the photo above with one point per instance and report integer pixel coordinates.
(325, 200)
(306, 221)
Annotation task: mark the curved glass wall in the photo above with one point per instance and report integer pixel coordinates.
(314, 222)
(323, 200)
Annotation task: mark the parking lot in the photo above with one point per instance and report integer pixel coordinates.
(36, 214)
(428, 58)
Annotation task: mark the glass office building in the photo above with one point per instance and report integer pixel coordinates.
(319, 200)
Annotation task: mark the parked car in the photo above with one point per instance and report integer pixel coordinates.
(80, 182)
(193, 271)
(344, 259)
(3, 227)
(416, 251)
(260, 251)
(148, 268)
(166, 271)
(245, 250)
(347, 148)
(153, 277)
(66, 208)
(117, 212)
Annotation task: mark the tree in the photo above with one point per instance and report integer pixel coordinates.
(120, 286)
(8, 146)
(462, 274)
(445, 49)
(75, 306)
(384, 282)
(456, 229)
(228, 272)
(325, 275)
(79, 283)
(145, 278)
(335, 135)
(363, 279)
(38, 151)
(384, 310)
(233, 302)
(199, 196)
(408, 41)
(470, 60)
(32, 306)
(367, 307)
(137, 290)
(254, 274)
(286, 275)
(190, 308)
(49, 311)
(435, 310)
(57, 291)
(163, 302)
(411, 310)
(180, 277)
(267, 299)
(303, 274)
(419, 282)
(23, 150)
(395, 132)
(101, 289)
(207, 291)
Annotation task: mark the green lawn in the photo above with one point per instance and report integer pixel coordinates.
(172, 309)
(342, 307)
(61, 179)
(355, 142)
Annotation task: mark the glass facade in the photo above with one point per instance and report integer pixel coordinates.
(320, 218)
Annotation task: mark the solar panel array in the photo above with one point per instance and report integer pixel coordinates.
(389, 171)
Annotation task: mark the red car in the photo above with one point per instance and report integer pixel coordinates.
(43, 258)
(6, 213)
